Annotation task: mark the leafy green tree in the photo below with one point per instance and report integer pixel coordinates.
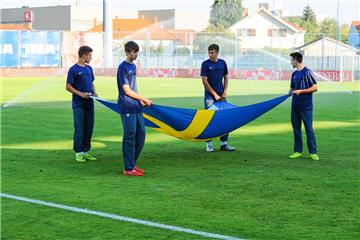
(225, 13)
(224, 38)
(309, 14)
(344, 30)
(328, 27)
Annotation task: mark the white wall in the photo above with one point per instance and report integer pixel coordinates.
(262, 23)
(328, 48)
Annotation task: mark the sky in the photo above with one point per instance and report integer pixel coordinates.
(349, 10)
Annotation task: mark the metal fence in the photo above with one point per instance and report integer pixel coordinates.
(172, 49)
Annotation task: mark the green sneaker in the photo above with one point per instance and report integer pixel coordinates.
(314, 157)
(87, 156)
(295, 155)
(79, 157)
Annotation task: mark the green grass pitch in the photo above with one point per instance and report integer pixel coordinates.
(253, 193)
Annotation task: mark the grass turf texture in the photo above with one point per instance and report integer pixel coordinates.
(255, 192)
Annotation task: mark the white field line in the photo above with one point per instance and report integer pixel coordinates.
(119, 218)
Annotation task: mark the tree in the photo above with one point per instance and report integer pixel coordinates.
(182, 51)
(160, 48)
(309, 14)
(312, 28)
(157, 50)
(310, 24)
(224, 38)
(312, 31)
(225, 13)
(328, 27)
(344, 30)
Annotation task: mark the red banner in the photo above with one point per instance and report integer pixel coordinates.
(246, 74)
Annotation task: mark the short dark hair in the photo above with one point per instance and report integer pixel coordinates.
(213, 47)
(297, 56)
(84, 50)
(131, 46)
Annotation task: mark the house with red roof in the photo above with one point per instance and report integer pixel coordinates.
(14, 27)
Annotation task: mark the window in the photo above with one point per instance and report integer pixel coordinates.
(277, 32)
(246, 32)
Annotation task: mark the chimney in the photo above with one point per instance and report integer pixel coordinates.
(264, 5)
(245, 12)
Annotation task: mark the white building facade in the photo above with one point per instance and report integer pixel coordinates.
(264, 29)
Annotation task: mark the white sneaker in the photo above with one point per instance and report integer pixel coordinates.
(209, 147)
(227, 148)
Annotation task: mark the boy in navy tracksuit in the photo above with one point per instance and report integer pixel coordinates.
(302, 86)
(80, 83)
(213, 72)
(130, 104)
